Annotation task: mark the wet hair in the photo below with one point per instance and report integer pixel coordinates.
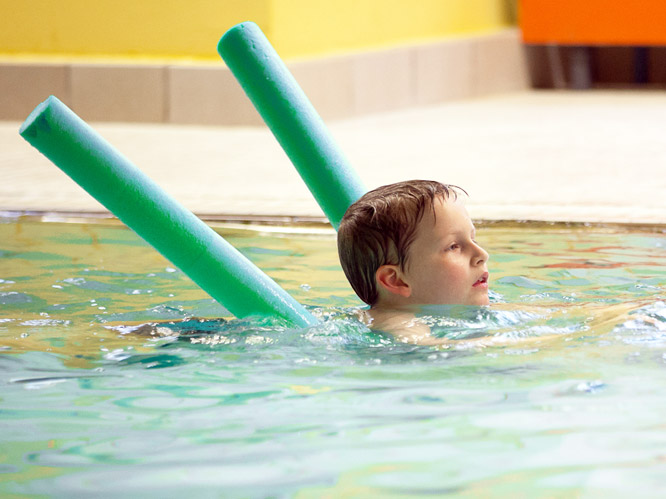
(380, 227)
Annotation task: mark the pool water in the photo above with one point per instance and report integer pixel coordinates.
(121, 378)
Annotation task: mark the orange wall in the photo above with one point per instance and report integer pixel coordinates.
(594, 22)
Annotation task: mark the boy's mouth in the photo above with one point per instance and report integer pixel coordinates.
(483, 280)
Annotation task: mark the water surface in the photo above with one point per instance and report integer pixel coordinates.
(569, 403)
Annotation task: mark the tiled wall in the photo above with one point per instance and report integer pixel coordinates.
(339, 87)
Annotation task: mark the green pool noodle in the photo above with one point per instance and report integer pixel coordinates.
(191, 245)
(291, 117)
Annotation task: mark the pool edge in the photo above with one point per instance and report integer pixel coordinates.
(305, 223)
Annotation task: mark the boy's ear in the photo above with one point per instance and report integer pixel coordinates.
(389, 277)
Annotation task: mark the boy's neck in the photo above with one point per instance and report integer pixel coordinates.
(400, 323)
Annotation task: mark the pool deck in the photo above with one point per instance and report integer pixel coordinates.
(596, 156)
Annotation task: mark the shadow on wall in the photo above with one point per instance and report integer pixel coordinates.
(511, 11)
(583, 67)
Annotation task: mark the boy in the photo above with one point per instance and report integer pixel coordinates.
(409, 244)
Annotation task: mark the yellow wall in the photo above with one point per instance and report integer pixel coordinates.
(311, 27)
(190, 29)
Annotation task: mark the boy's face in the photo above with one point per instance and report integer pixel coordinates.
(445, 266)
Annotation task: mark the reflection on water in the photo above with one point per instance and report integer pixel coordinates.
(120, 376)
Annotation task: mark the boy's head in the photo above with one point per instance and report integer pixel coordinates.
(412, 243)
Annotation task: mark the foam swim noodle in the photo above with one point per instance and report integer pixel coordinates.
(291, 117)
(202, 254)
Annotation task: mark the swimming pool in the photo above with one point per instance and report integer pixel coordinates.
(569, 404)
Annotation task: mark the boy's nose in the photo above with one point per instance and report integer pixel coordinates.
(482, 255)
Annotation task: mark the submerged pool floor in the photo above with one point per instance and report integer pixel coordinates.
(120, 377)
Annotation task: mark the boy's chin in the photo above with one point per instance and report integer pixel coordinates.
(480, 299)
(482, 302)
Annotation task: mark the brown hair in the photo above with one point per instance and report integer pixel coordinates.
(379, 228)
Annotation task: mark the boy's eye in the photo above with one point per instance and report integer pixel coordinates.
(453, 246)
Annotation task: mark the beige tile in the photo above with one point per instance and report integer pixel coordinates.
(127, 93)
(328, 83)
(444, 71)
(383, 80)
(501, 64)
(23, 86)
(208, 95)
